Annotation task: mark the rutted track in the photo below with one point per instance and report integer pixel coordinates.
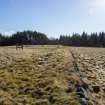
(90, 62)
(82, 89)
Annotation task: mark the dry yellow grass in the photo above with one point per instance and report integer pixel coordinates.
(45, 75)
(38, 75)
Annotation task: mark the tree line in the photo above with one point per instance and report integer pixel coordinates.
(37, 38)
(25, 37)
(84, 39)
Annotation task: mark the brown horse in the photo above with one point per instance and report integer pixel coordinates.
(19, 46)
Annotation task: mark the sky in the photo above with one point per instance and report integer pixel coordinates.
(52, 17)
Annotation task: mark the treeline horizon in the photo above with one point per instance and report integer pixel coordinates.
(37, 38)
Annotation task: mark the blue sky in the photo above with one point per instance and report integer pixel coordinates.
(53, 17)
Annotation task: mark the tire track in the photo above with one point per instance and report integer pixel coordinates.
(82, 89)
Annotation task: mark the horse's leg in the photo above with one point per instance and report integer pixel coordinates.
(22, 47)
(16, 47)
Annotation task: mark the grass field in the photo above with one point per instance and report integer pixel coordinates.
(45, 75)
